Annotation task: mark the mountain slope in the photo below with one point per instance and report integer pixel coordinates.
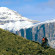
(11, 44)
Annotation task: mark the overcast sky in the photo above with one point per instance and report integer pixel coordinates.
(40, 10)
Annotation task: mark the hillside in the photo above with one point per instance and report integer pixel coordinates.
(11, 44)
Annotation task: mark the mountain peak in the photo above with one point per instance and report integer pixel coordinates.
(8, 15)
(2, 9)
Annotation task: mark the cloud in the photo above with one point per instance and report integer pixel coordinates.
(49, 3)
(35, 10)
(32, 9)
(40, 11)
(7, 2)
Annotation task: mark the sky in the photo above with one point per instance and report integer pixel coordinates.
(40, 10)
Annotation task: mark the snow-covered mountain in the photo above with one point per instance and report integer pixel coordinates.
(22, 26)
(13, 21)
(8, 15)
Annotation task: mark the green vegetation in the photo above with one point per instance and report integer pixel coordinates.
(11, 44)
